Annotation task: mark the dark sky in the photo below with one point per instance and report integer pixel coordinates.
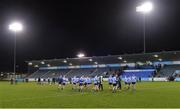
(62, 28)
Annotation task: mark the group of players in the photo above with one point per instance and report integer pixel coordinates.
(85, 83)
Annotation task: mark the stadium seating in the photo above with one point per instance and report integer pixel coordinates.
(55, 73)
(138, 73)
(168, 70)
(38, 74)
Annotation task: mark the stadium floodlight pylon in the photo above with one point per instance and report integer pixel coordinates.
(144, 8)
(15, 27)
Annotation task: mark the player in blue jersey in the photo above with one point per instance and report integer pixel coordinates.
(114, 82)
(95, 80)
(74, 82)
(128, 82)
(85, 82)
(81, 82)
(133, 81)
(64, 82)
(110, 82)
(89, 81)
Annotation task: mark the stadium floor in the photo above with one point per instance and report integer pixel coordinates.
(147, 95)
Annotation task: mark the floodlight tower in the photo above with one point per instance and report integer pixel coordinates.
(15, 27)
(144, 8)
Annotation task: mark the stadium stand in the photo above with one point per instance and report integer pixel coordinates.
(137, 64)
(168, 70)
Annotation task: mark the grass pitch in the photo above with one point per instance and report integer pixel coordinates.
(147, 95)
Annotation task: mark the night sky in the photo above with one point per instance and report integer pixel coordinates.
(62, 28)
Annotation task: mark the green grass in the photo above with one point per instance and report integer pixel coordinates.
(147, 95)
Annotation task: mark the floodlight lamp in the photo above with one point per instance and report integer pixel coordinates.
(160, 59)
(36, 66)
(156, 56)
(42, 62)
(65, 61)
(124, 61)
(16, 26)
(145, 7)
(80, 55)
(90, 60)
(120, 58)
(30, 63)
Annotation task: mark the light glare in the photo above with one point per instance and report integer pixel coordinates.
(16, 26)
(145, 7)
(80, 55)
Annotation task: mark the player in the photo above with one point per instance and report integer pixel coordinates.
(64, 81)
(110, 82)
(95, 83)
(126, 82)
(133, 81)
(100, 84)
(74, 82)
(60, 80)
(81, 82)
(114, 82)
(89, 82)
(49, 81)
(85, 82)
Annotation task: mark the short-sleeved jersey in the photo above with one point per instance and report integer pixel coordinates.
(95, 80)
(133, 79)
(110, 79)
(88, 80)
(81, 80)
(114, 80)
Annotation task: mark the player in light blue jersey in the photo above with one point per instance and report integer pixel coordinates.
(133, 81)
(110, 80)
(95, 80)
(81, 82)
(74, 82)
(64, 82)
(87, 82)
(127, 82)
(114, 82)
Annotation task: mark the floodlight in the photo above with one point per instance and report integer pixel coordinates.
(156, 56)
(65, 61)
(160, 59)
(42, 62)
(36, 66)
(30, 63)
(120, 58)
(90, 60)
(16, 26)
(80, 55)
(48, 65)
(145, 7)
